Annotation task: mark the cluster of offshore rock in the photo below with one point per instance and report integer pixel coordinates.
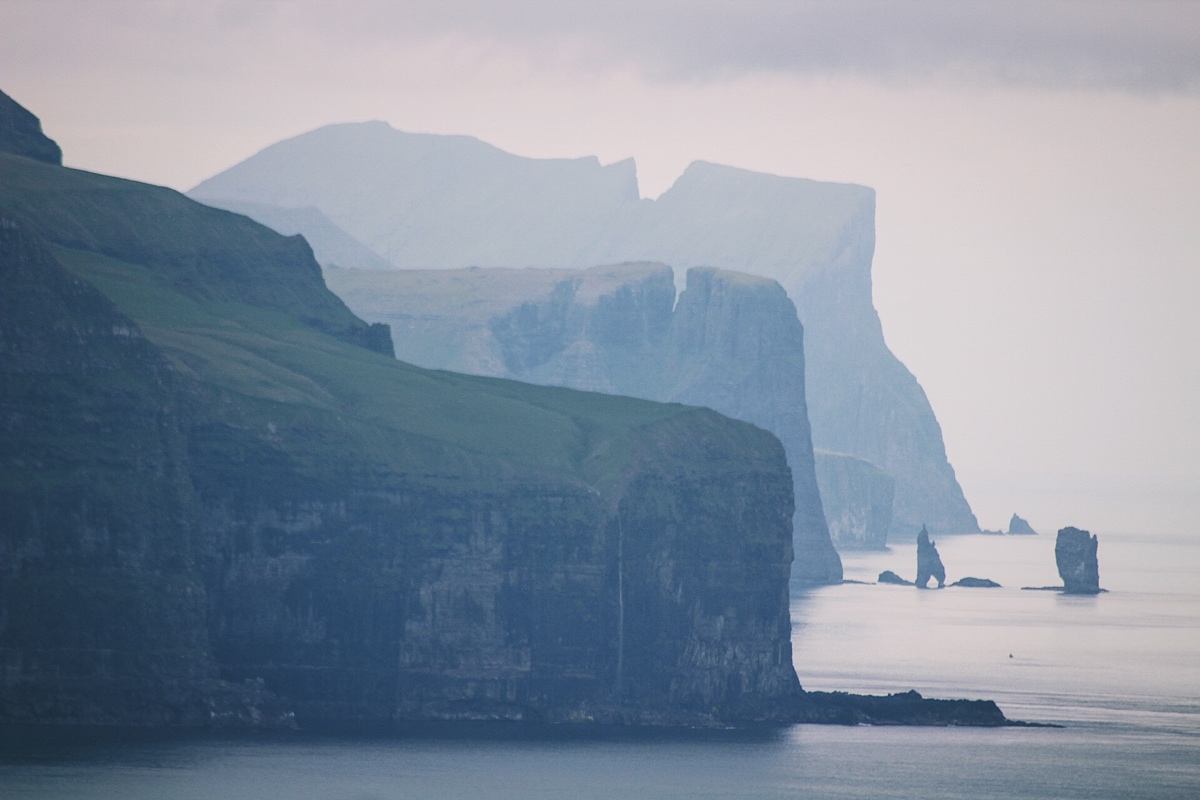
(1074, 553)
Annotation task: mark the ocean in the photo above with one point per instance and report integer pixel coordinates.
(1119, 672)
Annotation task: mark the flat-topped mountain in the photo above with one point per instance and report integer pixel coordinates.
(729, 341)
(226, 502)
(425, 201)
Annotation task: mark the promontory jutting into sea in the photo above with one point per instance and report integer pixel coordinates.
(342, 460)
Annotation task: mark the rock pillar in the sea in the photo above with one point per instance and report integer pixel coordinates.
(1075, 553)
(1019, 526)
(929, 563)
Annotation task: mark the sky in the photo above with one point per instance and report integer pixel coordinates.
(1035, 163)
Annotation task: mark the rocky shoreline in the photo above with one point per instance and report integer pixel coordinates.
(250, 708)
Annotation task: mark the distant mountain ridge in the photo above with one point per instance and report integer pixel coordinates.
(331, 245)
(428, 201)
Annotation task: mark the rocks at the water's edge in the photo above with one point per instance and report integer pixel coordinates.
(887, 576)
(1020, 527)
(929, 563)
(905, 708)
(976, 583)
(1075, 554)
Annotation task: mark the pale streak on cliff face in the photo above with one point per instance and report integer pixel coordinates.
(427, 201)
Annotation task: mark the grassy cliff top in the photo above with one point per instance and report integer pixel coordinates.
(245, 313)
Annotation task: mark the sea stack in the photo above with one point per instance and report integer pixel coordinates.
(929, 563)
(1075, 553)
(1020, 527)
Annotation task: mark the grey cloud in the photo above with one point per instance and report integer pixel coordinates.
(1143, 46)
(1134, 46)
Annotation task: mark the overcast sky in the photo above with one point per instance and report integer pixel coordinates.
(1036, 166)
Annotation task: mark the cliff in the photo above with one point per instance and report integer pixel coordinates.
(227, 503)
(857, 497)
(730, 342)
(451, 202)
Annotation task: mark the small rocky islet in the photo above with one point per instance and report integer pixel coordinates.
(1074, 554)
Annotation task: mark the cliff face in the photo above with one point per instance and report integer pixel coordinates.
(858, 498)
(99, 545)
(412, 198)
(226, 502)
(732, 342)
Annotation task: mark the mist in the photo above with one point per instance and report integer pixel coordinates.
(1035, 171)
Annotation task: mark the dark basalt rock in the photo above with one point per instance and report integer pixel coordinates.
(1075, 554)
(929, 563)
(976, 583)
(1019, 527)
(904, 708)
(21, 133)
(887, 576)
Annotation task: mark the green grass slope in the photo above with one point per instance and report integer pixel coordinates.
(245, 311)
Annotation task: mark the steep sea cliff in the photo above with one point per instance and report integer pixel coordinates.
(729, 341)
(426, 201)
(228, 504)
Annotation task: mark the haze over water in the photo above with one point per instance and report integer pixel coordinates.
(1118, 671)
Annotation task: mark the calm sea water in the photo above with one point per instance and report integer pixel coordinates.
(1119, 671)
